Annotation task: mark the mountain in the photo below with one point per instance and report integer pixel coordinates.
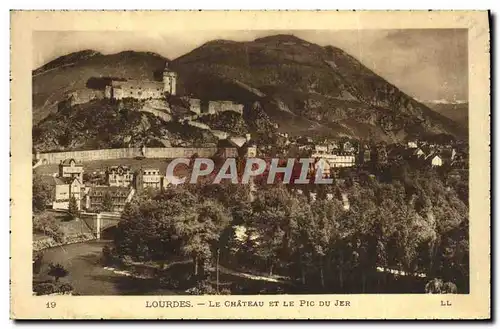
(302, 87)
(456, 111)
(54, 81)
(307, 89)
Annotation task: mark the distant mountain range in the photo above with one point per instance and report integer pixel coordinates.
(456, 111)
(305, 88)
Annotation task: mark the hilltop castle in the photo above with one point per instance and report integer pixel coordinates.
(143, 89)
(155, 90)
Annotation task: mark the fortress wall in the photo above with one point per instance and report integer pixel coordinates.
(162, 115)
(179, 152)
(90, 155)
(223, 106)
(83, 96)
(108, 154)
(158, 104)
(195, 105)
(198, 125)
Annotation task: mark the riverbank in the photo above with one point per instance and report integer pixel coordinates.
(88, 275)
(42, 243)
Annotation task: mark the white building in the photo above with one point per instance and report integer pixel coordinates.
(436, 160)
(320, 149)
(340, 160)
(149, 178)
(119, 176)
(412, 145)
(322, 165)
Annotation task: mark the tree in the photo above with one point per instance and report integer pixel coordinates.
(41, 194)
(57, 271)
(318, 233)
(73, 211)
(107, 202)
(37, 261)
(46, 224)
(276, 213)
(172, 223)
(201, 231)
(449, 288)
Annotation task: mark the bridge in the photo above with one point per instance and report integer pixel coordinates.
(99, 222)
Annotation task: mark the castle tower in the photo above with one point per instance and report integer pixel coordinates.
(169, 80)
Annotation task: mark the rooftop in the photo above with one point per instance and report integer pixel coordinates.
(67, 162)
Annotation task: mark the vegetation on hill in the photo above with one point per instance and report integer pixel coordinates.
(102, 124)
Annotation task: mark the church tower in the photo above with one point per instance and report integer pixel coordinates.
(169, 80)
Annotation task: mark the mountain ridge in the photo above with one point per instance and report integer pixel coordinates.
(339, 74)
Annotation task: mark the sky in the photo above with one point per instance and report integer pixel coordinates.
(428, 64)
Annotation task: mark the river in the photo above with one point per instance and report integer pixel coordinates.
(88, 276)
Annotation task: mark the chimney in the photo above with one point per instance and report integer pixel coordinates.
(248, 137)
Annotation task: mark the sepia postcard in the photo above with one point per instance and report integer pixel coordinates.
(250, 165)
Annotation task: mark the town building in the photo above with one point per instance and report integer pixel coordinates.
(320, 149)
(251, 150)
(435, 160)
(342, 160)
(323, 165)
(119, 196)
(64, 189)
(119, 176)
(348, 147)
(306, 148)
(239, 141)
(339, 160)
(364, 155)
(332, 147)
(227, 149)
(418, 152)
(412, 144)
(248, 150)
(149, 178)
(70, 168)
